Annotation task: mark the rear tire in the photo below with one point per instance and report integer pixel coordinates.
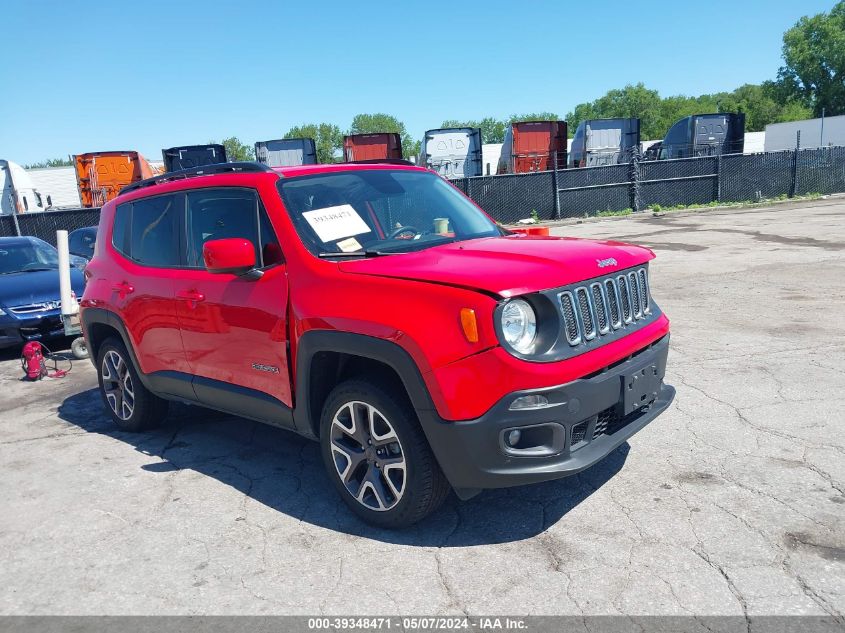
(377, 455)
(132, 406)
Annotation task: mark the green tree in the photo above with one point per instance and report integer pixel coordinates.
(380, 122)
(814, 61)
(492, 129)
(50, 162)
(762, 104)
(630, 101)
(581, 112)
(793, 111)
(237, 151)
(327, 138)
(533, 116)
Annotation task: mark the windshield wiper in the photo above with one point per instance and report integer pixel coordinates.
(35, 270)
(366, 253)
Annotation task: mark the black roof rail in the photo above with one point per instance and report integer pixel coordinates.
(387, 161)
(205, 170)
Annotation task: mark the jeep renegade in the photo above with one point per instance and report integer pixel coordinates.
(378, 310)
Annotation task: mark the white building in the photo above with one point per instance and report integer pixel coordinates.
(490, 154)
(59, 183)
(754, 142)
(814, 133)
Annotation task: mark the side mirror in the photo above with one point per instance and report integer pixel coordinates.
(234, 255)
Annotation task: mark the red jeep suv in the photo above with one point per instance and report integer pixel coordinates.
(378, 310)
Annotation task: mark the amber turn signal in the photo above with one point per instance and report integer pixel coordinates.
(469, 324)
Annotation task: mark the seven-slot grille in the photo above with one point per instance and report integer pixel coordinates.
(605, 305)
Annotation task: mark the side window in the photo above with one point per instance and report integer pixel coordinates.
(216, 214)
(154, 233)
(120, 229)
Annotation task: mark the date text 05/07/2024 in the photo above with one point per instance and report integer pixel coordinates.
(417, 623)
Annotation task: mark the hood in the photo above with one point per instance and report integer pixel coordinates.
(506, 266)
(38, 286)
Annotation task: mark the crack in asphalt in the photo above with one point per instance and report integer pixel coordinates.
(51, 436)
(802, 441)
(811, 593)
(446, 585)
(731, 586)
(334, 588)
(782, 554)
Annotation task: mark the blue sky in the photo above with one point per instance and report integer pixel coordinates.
(80, 77)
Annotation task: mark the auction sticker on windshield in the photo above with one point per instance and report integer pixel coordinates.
(349, 245)
(334, 223)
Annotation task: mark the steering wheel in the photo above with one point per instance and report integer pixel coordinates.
(403, 229)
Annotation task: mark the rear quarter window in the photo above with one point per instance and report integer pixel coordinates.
(120, 229)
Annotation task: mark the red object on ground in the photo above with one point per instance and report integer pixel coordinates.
(531, 230)
(33, 361)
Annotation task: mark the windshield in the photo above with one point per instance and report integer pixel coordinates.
(27, 256)
(380, 212)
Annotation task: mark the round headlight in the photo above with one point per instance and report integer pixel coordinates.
(519, 325)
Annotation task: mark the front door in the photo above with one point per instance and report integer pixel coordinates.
(234, 330)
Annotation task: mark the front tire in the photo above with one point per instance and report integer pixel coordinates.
(378, 457)
(132, 406)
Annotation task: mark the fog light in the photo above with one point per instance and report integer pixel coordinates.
(534, 401)
(513, 437)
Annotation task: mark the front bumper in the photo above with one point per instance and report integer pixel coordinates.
(474, 454)
(17, 331)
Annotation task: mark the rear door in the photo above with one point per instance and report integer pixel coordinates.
(146, 233)
(102, 175)
(709, 133)
(192, 156)
(287, 152)
(234, 330)
(534, 142)
(454, 153)
(604, 138)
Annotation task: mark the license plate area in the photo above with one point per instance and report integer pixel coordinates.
(640, 387)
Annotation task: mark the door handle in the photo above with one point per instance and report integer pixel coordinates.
(190, 295)
(123, 288)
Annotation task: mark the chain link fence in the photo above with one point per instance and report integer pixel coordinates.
(635, 184)
(46, 223)
(513, 194)
(638, 184)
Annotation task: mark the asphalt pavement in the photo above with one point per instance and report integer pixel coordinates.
(731, 503)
